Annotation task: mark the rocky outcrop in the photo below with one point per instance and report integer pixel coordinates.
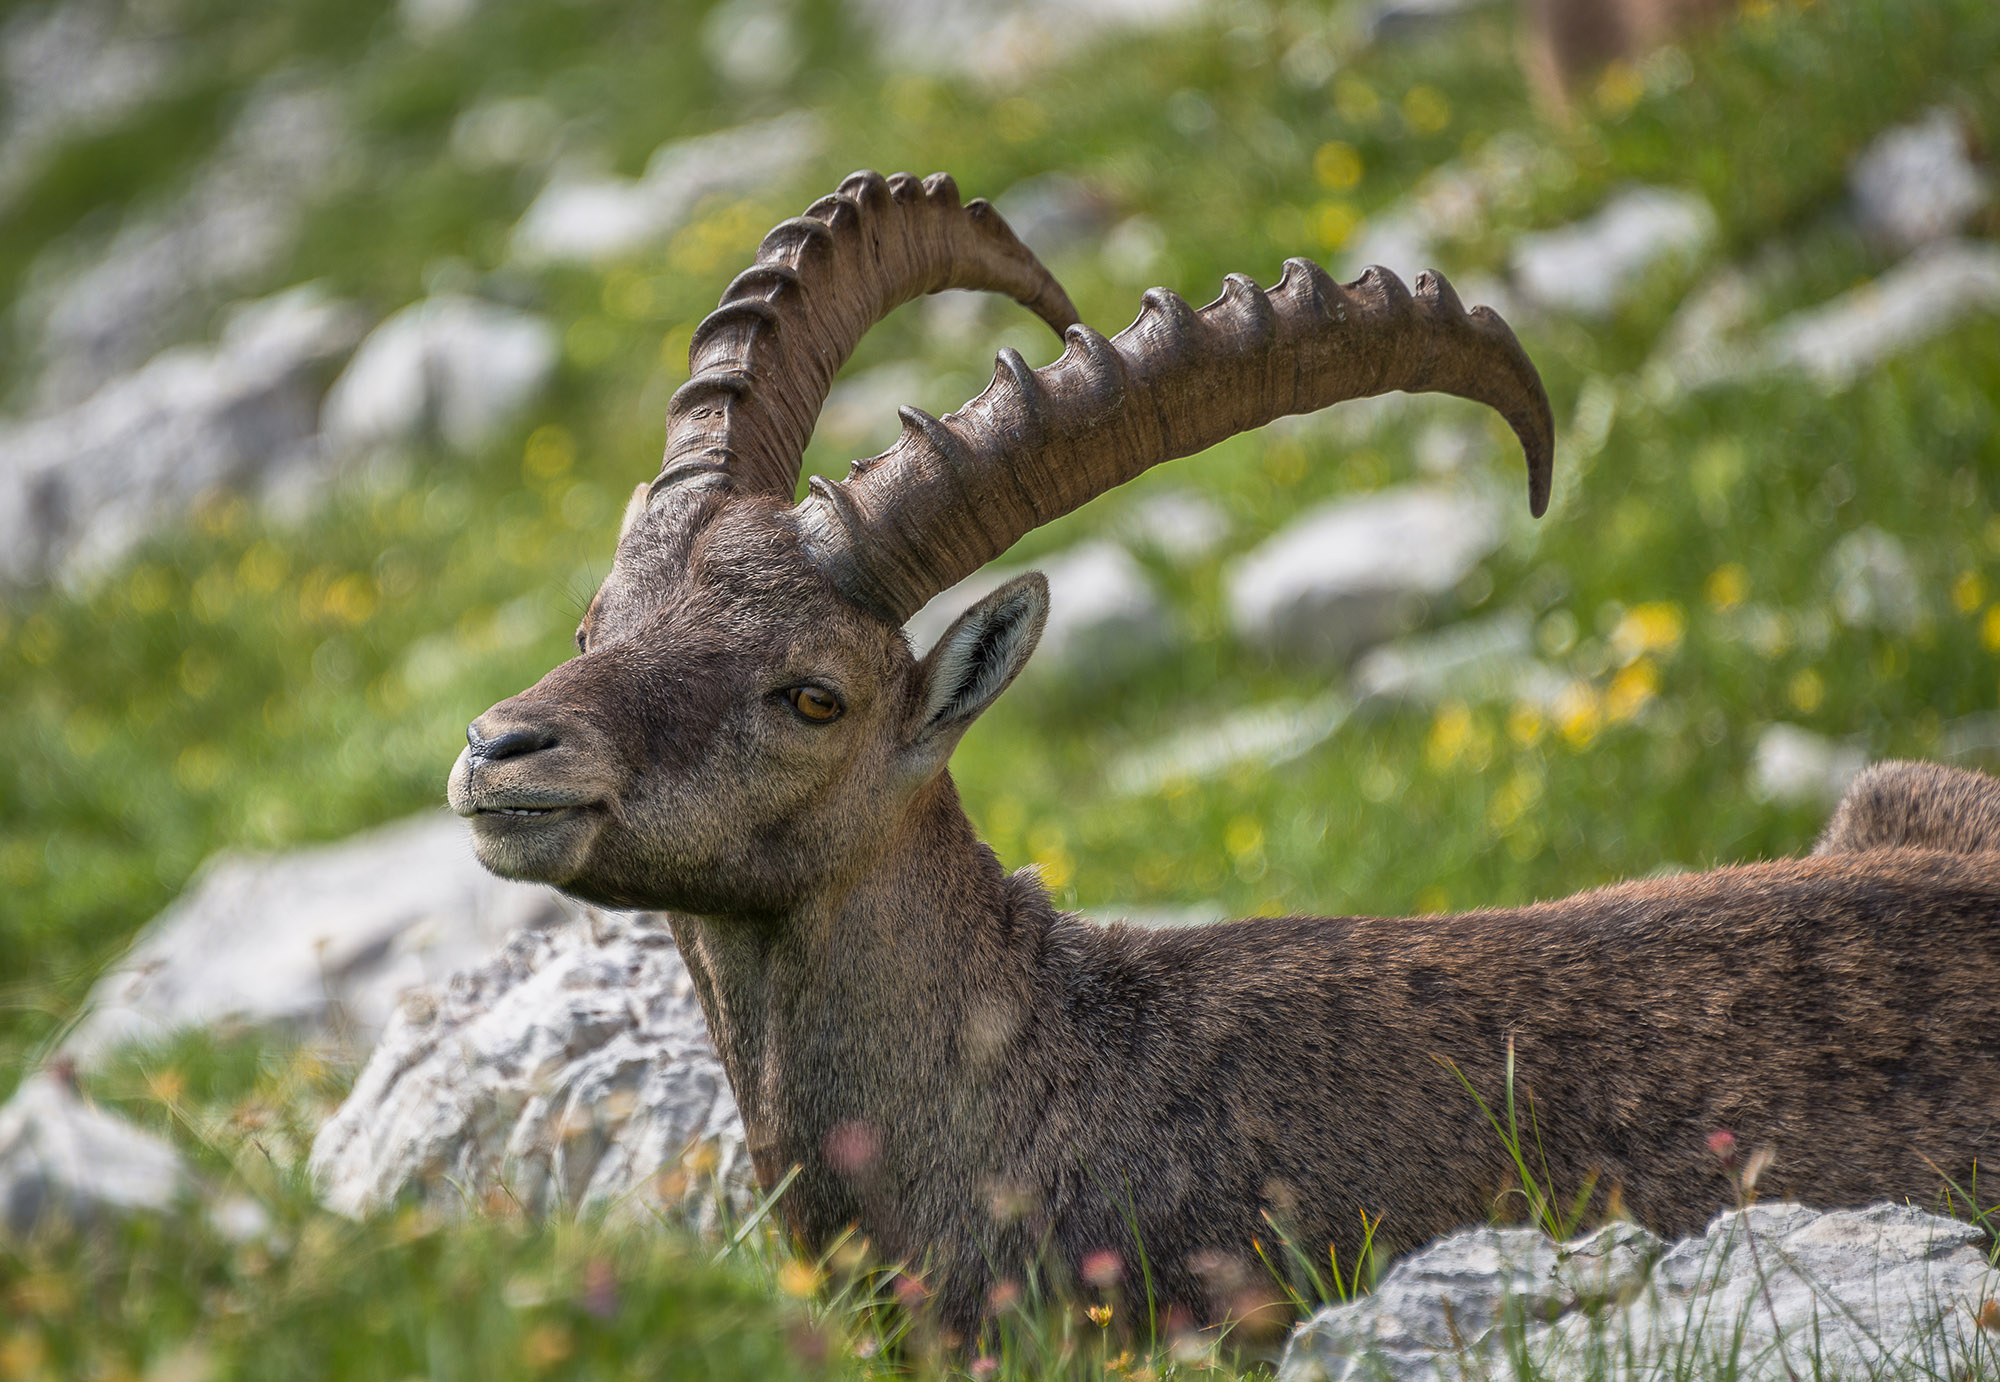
(1917, 183)
(97, 314)
(1355, 571)
(1774, 1292)
(1104, 611)
(320, 943)
(588, 217)
(572, 1070)
(1590, 268)
(79, 487)
(450, 368)
(62, 1157)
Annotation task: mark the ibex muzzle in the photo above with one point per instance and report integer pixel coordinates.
(746, 742)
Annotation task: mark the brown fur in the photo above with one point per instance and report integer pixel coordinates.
(1901, 805)
(983, 1083)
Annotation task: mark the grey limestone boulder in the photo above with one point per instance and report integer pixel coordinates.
(95, 314)
(1356, 571)
(452, 368)
(62, 1156)
(1589, 268)
(1874, 583)
(572, 1070)
(80, 486)
(1792, 764)
(1773, 1292)
(1917, 183)
(1922, 297)
(1488, 659)
(584, 216)
(1104, 611)
(319, 943)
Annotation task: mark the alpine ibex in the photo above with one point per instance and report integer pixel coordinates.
(745, 741)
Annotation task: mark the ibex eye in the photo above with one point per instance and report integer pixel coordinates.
(815, 703)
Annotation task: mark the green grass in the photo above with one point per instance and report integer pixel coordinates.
(245, 684)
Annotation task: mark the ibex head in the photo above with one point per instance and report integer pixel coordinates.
(744, 723)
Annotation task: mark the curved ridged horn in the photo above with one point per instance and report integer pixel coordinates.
(953, 493)
(760, 365)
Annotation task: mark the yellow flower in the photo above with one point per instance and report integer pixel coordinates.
(1100, 1315)
(1425, 110)
(797, 1278)
(1631, 689)
(1728, 585)
(1337, 165)
(1654, 627)
(1579, 713)
(1968, 592)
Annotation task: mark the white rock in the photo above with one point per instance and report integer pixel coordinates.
(1457, 201)
(507, 132)
(1393, 19)
(753, 43)
(320, 942)
(1103, 609)
(160, 276)
(593, 218)
(1264, 735)
(1488, 659)
(1920, 298)
(428, 20)
(452, 366)
(69, 68)
(1589, 268)
(1794, 765)
(572, 1069)
(1003, 42)
(1445, 448)
(79, 487)
(1706, 343)
(1917, 183)
(1178, 524)
(1873, 582)
(60, 1155)
(1352, 572)
(1849, 1293)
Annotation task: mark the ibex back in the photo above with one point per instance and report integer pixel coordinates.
(982, 1082)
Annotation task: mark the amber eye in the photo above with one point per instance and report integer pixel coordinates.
(815, 703)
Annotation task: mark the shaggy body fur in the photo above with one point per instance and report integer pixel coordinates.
(1916, 805)
(977, 1075)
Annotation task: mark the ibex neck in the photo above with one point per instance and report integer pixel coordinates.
(858, 1032)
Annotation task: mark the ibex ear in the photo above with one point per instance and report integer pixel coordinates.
(635, 508)
(976, 660)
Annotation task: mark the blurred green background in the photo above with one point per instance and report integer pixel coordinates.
(251, 676)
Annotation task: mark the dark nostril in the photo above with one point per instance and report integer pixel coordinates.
(510, 744)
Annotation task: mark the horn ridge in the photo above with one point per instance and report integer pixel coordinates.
(820, 280)
(1037, 444)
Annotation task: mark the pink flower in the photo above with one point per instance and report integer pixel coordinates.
(1722, 1146)
(910, 1291)
(1103, 1268)
(852, 1148)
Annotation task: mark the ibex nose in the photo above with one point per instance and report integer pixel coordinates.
(509, 743)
